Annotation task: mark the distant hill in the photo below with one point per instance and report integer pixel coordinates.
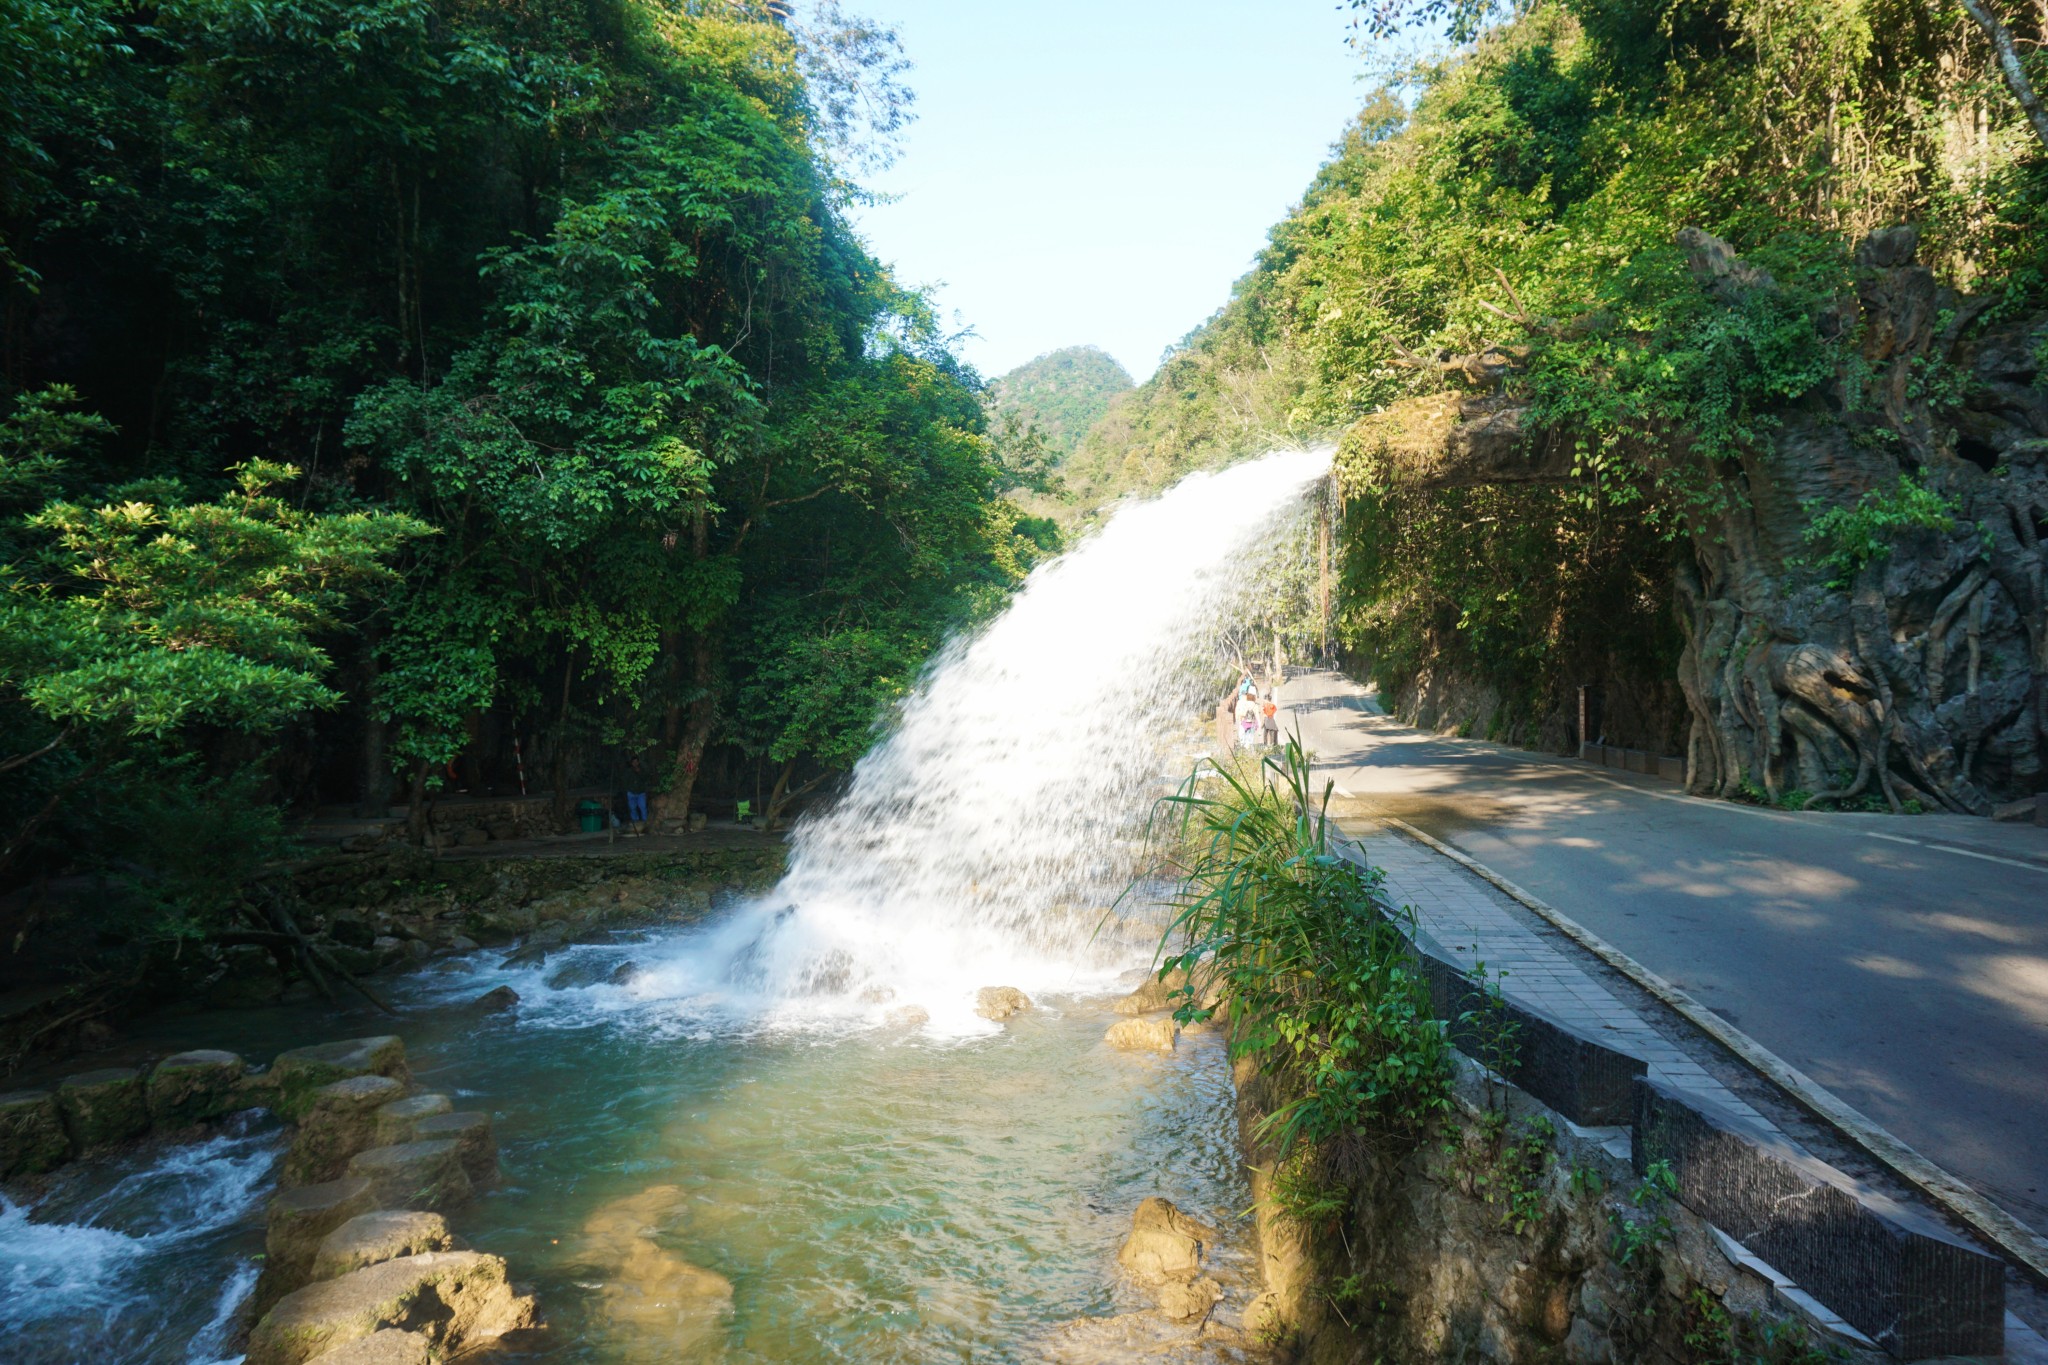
(1062, 393)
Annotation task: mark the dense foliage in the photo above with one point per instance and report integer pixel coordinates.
(1324, 993)
(1063, 393)
(1522, 197)
(385, 381)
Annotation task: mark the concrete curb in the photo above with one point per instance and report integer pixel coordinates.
(2025, 1249)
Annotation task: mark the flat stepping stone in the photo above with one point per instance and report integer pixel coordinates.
(426, 1174)
(103, 1108)
(455, 1299)
(194, 1087)
(373, 1238)
(300, 1220)
(295, 1075)
(340, 1121)
(471, 1133)
(32, 1137)
(386, 1347)
(396, 1120)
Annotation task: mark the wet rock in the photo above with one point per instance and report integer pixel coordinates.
(1153, 1034)
(526, 955)
(1155, 994)
(295, 1075)
(194, 1087)
(1000, 1002)
(32, 1137)
(396, 1120)
(1182, 1300)
(495, 1001)
(461, 943)
(351, 932)
(475, 1146)
(624, 974)
(414, 1175)
(1165, 1244)
(386, 1347)
(340, 1121)
(300, 1219)
(354, 961)
(102, 1108)
(373, 1238)
(677, 1309)
(907, 1017)
(580, 975)
(455, 1299)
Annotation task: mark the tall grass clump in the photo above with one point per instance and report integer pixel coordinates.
(1302, 947)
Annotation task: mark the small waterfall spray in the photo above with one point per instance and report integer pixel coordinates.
(979, 843)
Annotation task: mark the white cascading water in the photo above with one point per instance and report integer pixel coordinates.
(980, 842)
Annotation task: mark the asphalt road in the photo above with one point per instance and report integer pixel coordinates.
(1902, 962)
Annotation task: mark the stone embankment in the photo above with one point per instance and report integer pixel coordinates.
(360, 1267)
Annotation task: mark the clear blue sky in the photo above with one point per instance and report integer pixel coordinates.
(1089, 172)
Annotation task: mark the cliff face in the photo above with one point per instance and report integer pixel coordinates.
(1912, 666)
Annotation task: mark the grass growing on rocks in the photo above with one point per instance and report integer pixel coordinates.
(1323, 991)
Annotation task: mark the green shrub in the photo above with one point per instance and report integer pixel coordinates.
(1324, 993)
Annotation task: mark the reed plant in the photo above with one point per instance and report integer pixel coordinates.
(1323, 991)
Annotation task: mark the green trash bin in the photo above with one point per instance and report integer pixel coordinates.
(590, 815)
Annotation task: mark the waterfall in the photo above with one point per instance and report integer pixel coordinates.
(981, 840)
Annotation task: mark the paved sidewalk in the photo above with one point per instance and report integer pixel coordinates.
(1472, 921)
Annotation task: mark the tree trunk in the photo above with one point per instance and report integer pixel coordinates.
(701, 713)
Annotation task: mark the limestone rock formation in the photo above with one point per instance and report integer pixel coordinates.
(475, 1146)
(388, 1346)
(341, 1120)
(1000, 1002)
(1184, 1299)
(1154, 1034)
(674, 1308)
(1165, 1244)
(194, 1087)
(300, 1219)
(496, 1000)
(101, 1108)
(456, 1299)
(31, 1133)
(414, 1175)
(287, 1087)
(373, 1238)
(396, 1120)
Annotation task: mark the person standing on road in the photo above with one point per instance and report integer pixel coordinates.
(1270, 710)
(1247, 721)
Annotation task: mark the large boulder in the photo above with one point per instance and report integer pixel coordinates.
(340, 1121)
(471, 1133)
(1182, 1300)
(455, 1299)
(1152, 1034)
(1000, 1002)
(31, 1133)
(296, 1074)
(1157, 993)
(389, 1346)
(1165, 1245)
(194, 1087)
(102, 1108)
(414, 1175)
(373, 1238)
(396, 1120)
(300, 1220)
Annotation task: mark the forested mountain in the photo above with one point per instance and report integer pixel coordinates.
(1062, 393)
(1689, 350)
(389, 384)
